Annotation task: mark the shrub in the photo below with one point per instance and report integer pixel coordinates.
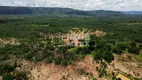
(8, 76)
(58, 60)
(50, 59)
(134, 50)
(102, 54)
(94, 78)
(132, 44)
(51, 47)
(20, 75)
(116, 50)
(122, 46)
(102, 72)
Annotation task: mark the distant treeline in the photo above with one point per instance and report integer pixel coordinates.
(7, 10)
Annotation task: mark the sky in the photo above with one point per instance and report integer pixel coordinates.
(115, 5)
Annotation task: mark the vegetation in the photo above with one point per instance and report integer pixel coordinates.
(122, 34)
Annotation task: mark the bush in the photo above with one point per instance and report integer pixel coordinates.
(97, 54)
(20, 75)
(65, 62)
(72, 50)
(102, 72)
(94, 78)
(51, 47)
(132, 44)
(108, 56)
(81, 71)
(50, 59)
(58, 60)
(7, 67)
(122, 46)
(83, 50)
(102, 54)
(8, 76)
(134, 50)
(116, 50)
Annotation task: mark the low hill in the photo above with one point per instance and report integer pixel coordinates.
(8, 10)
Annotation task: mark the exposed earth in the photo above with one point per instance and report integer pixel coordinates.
(82, 70)
(85, 69)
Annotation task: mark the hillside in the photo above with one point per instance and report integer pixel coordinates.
(6, 10)
(133, 12)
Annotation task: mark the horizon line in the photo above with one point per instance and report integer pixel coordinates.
(73, 8)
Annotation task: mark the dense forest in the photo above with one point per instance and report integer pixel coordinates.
(118, 28)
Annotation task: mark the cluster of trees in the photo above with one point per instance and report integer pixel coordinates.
(7, 68)
(133, 48)
(8, 71)
(17, 75)
(100, 49)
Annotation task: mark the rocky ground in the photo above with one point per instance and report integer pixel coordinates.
(127, 65)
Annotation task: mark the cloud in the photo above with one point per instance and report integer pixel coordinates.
(78, 4)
